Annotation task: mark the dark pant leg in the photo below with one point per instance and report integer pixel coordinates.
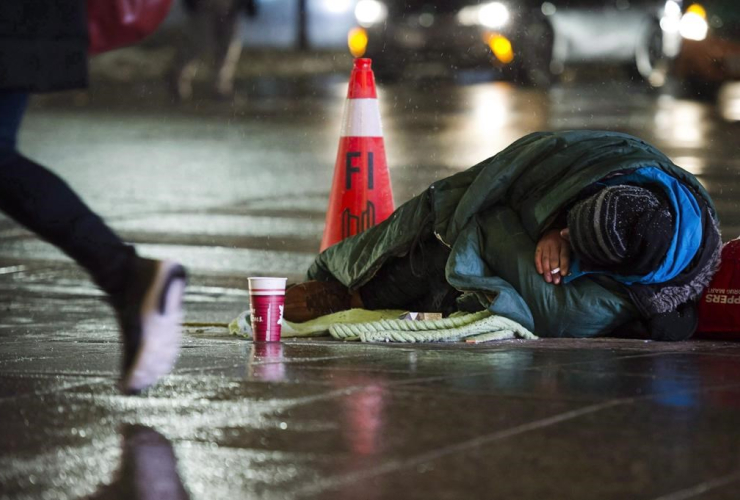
(415, 282)
(12, 107)
(45, 204)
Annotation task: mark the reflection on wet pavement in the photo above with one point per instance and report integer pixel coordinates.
(246, 190)
(729, 101)
(266, 362)
(148, 469)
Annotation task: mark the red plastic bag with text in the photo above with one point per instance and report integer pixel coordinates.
(116, 23)
(719, 308)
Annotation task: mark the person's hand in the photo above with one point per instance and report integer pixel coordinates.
(552, 255)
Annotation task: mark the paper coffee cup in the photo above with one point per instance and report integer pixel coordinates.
(266, 301)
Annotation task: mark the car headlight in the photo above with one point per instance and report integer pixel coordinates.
(357, 41)
(369, 12)
(670, 22)
(492, 15)
(694, 24)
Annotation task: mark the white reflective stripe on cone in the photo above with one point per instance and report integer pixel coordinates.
(362, 118)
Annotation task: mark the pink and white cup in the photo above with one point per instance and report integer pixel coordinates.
(266, 300)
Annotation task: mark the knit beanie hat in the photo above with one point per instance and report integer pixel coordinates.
(623, 229)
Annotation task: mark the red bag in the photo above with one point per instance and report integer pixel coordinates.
(116, 23)
(719, 309)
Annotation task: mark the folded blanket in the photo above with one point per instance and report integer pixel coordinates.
(384, 326)
(476, 327)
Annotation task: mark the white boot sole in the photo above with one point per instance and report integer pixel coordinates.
(161, 330)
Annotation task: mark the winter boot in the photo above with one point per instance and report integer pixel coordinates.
(150, 316)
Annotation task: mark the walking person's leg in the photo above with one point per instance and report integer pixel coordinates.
(146, 294)
(41, 201)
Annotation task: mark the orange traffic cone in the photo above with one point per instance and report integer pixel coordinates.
(361, 194)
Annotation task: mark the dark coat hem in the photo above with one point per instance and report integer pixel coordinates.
(42, 65)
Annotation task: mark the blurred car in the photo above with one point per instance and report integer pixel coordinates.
(531, 40)
(710, 52)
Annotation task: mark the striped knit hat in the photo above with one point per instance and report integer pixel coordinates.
(624, 229)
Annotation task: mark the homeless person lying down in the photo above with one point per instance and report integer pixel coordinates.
(572, 234)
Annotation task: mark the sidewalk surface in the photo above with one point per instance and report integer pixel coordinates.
(323, 419)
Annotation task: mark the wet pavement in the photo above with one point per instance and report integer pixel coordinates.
(240, 188)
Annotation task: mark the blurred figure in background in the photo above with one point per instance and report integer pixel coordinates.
(214, 26)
